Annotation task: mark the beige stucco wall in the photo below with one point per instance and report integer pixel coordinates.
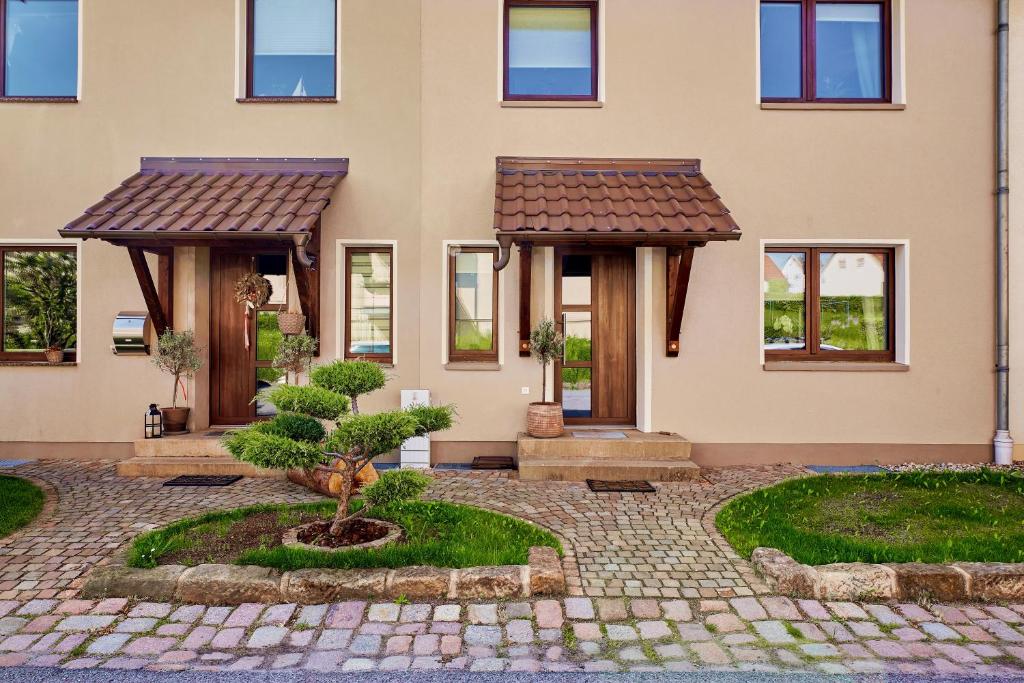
(1016, 228)
(420, 118)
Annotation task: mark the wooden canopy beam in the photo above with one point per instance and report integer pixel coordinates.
(165, 283)
(678, 264)
(307, 282)
(525, 292)
(149, 291)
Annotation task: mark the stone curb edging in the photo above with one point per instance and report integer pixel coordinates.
(224, 584)
(957, 582)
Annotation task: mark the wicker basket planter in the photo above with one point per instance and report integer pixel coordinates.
(544, 420)
(54, 356)
(291, 323)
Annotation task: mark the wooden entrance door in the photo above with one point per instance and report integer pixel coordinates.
(238, 373)
(595, 294)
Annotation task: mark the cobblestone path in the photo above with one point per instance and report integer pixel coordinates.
(574, 634)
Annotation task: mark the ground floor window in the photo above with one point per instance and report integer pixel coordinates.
(39, 302)
(472, 304)
(369, 303)
(829, 303)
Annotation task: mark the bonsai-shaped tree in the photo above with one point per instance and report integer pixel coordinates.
(546, 345)
(178, 355)
(295, 354)
(41, 294)
(297, 438)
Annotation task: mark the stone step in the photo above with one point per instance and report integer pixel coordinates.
(636, 446)
(199, 445)
(170, 466)
(581, 469)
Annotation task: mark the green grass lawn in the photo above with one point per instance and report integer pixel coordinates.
(20, 503)
(437, 533)
(908, 517)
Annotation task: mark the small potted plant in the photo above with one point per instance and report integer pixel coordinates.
(544, 418)
(177, 355)
(295, 355)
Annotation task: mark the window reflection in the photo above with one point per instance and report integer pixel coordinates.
(854, 308)
(785, 306)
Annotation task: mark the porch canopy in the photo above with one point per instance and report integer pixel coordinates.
(243, 203)
(609, 202)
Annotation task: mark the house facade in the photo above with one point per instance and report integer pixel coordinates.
(764, 226)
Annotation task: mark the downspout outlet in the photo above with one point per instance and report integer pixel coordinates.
(1003, 447)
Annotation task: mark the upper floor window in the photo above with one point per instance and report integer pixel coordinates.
(39, 41)
(816, 51)
(829, 303)
(38, 302)
(550, 50)
(472, 304)
(291, 48)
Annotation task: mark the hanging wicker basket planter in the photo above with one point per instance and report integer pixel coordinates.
(291, 323)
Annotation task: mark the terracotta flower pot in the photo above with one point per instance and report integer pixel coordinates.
(54, 356)
(544, 420)
(175, 420)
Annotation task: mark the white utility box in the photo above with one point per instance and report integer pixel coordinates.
(416, 451)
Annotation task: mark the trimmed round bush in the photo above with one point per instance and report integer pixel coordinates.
(295, 426)
(349, 377)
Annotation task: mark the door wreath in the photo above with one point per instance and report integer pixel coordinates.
(253, 291)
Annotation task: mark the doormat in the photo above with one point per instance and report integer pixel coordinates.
(620, 486)
(840, 469)
(598, 435)
(493, 462)
(203, 480)
(216, 432)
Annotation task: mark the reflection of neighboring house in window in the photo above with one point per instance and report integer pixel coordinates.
(793, 271)
(772, 273)
(852, 275)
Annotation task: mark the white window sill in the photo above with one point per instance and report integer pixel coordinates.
(832, 366)
(471, 366)
(834, 106)
(551, 104)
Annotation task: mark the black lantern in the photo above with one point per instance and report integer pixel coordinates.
(154, 422)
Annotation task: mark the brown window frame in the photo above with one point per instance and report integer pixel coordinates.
(4, 97)
(812, 307)
(462, 356)
(38, 356)
(250, 34)
(385, 358)
(808, 54)
(592, 5)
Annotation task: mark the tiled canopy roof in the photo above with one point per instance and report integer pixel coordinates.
(182, 196)
(607, 196)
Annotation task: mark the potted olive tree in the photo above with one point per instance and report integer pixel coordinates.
(178, 356)
(544, 418)
(323, 444)
(295, 355)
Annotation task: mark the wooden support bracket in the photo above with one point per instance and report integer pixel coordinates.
(149, 291)
(525, 292)
(307, 282)
(165, 283)
(679, 262)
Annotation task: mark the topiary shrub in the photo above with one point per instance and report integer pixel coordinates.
(296, 438)
(351, 378)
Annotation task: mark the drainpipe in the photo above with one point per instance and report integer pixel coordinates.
(1003, 444)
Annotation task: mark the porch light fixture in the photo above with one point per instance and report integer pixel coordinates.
(154, 422)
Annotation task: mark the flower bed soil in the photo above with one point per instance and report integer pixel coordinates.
(356, 532)
(214, 547)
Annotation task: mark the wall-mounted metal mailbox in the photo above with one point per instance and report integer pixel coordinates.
(131, 329)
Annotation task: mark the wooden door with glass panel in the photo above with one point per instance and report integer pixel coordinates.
(594, 307)
(239, 373)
